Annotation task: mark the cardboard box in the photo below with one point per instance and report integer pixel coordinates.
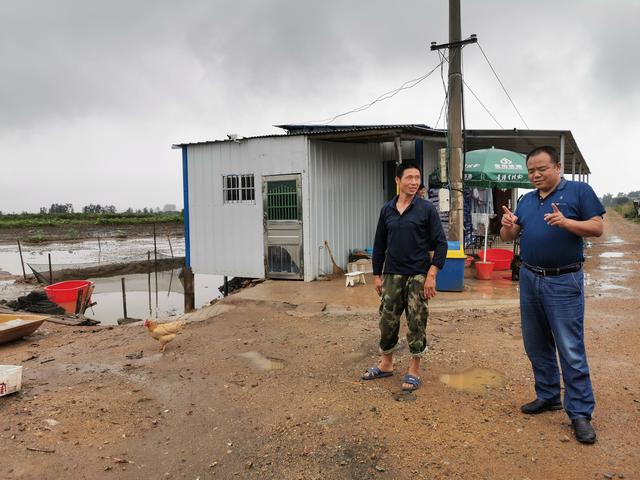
(363, 265)
(10, 379)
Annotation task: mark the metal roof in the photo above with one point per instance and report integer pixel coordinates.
(521, 141)
(353, 133)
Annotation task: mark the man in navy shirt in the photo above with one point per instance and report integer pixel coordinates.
(552, 222)
(408, 228)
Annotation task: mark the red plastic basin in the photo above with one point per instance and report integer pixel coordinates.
(500, 257)
(65, 294)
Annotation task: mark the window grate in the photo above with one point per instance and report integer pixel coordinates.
(238, 188)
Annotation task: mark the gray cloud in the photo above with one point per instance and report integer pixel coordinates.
(95, 83)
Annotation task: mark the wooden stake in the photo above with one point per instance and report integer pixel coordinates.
(124, 299)
(189, 296)
(170, 247)
(78, 302)
(50, 269)
(155, 263)
(149, 278)
(24, 274)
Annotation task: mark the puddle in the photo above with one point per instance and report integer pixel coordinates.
(108, 291)
(261, 362)
(475, 380)
(108, 295)
(612, 254)
(611, 286)
(86, 253)
(613, 240)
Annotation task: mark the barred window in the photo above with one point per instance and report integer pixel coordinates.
(238, 188)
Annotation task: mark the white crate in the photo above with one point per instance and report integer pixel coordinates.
(10, 379)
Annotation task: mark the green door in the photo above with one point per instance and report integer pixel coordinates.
(282, 199)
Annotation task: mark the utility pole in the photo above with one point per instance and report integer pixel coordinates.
(454, 119)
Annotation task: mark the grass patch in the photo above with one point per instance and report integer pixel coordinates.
(628, 211)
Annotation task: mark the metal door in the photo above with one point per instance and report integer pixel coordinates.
(282, 200)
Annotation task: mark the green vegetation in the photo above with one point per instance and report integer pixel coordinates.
(628, 210)
(35, 220)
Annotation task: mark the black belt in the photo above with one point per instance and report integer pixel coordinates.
(546, 272)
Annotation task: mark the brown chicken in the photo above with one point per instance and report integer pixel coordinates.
(164, 332)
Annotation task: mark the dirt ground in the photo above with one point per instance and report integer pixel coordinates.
(265, 384)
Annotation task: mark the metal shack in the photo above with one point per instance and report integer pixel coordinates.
(264, 206)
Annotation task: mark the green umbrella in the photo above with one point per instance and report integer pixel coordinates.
(491, 167)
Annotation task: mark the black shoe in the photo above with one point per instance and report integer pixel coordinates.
(584, 430)
(539, 406)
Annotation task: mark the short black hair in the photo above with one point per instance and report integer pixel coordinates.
(552, 152)
(421, 186)
(404, 166)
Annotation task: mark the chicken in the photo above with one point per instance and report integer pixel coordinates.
(164, 332)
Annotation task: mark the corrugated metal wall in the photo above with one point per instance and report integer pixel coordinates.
(228, 239)
(345, 197)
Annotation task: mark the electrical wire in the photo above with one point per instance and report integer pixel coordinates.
(501, 84)
(385, 96)
(480, 101)
(446, 92)
(482, 104)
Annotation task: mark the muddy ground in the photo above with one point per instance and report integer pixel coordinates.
(72, 233)
(271, 389)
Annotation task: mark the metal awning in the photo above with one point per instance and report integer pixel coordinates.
(523, 141)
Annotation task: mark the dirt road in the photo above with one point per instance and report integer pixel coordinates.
(270, 389)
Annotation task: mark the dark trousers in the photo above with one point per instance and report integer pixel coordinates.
(552, 316)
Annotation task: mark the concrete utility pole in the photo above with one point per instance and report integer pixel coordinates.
(456, 215)
(454, 120)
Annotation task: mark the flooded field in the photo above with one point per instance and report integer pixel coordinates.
(143, 299)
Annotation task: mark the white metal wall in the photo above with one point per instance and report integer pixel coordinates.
(227, 239)
(345, 196)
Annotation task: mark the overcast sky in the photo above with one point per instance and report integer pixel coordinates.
(93, 94)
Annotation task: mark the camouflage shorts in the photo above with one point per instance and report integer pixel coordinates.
(403, 293)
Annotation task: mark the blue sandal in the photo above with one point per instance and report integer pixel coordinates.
(375, 372)
(412, 380)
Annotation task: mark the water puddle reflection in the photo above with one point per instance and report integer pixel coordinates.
(475, 380)
(613, 240)
(261, 362)
(610, 286)
(612, 254)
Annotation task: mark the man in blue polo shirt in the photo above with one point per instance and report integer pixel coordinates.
(408, 228)
(552, 221)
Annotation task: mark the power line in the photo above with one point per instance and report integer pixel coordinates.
(502, 85)
(482, 104)
(444, 86)
(385, 96)
(480, 101)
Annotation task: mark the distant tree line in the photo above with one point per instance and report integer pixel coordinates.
(620, 199)
(97, 209)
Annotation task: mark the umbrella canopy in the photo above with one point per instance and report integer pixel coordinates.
(493, 167)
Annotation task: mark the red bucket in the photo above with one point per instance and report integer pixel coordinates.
(484, 270)
(65, 294)
(500, 257)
